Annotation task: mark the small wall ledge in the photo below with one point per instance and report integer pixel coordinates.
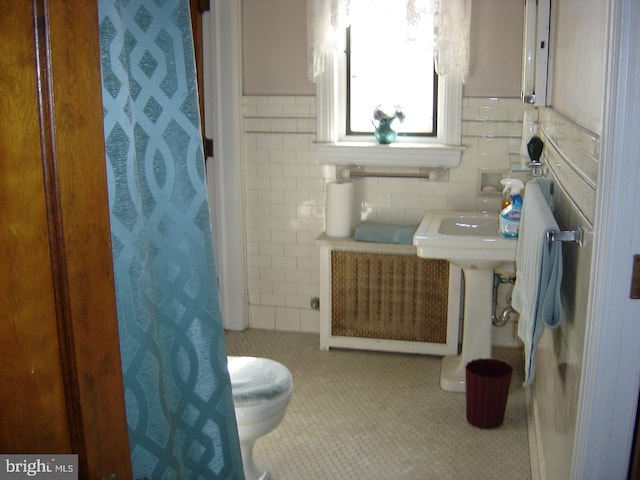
(398, 154)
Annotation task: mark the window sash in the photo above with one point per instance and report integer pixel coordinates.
(422, 127)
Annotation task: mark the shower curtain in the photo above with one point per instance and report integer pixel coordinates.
(177, 390)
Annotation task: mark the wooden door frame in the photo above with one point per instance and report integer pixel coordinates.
(88, 321)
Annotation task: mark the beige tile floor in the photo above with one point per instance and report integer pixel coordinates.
(366, 415)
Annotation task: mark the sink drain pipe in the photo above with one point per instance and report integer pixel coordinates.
(508, 311)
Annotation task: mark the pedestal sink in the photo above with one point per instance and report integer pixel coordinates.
(472, 241)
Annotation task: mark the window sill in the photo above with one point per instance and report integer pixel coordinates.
(398, 154)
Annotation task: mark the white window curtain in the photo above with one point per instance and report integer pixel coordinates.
(448, 20)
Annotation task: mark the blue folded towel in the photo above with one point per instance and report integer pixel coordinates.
(385, 233)
(536, 294)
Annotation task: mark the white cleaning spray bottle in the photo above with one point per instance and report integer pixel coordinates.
(510, 215)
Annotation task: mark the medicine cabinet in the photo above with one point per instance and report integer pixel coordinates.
(535, 54)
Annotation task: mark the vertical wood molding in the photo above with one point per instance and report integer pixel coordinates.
(61, 386)
(80, 236)
(60, 280)
(196, 9)
(34, 414)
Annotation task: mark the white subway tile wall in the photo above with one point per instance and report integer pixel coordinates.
(284, 196)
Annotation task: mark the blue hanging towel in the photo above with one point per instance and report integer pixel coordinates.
(536, 294)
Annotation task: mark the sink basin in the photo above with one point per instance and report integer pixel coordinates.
(473, 226)
(468, 239)
(473, 242)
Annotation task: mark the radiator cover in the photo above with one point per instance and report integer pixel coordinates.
(395, 297)
(384, 297)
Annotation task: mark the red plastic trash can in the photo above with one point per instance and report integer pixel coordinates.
(487, 388)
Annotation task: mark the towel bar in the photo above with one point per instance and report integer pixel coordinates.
(440, 174)
(390, 174)
(565, 236)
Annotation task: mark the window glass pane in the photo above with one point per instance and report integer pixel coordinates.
(388, 69)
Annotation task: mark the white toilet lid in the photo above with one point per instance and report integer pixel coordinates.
(257, 380)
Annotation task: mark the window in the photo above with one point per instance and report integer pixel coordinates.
(430, 134)
(396, 74)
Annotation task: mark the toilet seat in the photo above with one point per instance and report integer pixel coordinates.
(261, 391)
(256, 381)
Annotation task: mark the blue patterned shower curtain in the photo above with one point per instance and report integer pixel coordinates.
(177, 389)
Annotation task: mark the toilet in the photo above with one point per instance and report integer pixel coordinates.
(261, 392)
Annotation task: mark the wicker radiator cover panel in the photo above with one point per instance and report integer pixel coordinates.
(389, 296)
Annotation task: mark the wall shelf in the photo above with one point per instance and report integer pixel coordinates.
(398, 154)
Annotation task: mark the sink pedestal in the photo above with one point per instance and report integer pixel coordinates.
(476, 336)
(472, 241)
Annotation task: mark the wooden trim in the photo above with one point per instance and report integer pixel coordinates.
(62, 388)
(197, 7)
(81, 239)
(34, 414)
(60, 281)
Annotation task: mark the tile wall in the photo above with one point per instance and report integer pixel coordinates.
(284, 198)
(571, 154)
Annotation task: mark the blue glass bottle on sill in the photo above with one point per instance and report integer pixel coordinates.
(384, 133)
